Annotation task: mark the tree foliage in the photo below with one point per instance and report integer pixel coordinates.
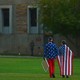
(61, 16)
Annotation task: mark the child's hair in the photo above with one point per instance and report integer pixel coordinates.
(50, 39)
(63, 42)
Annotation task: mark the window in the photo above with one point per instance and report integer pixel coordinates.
(33, 17)
(5, 14)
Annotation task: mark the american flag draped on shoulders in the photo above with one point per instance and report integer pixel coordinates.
(65, 60)
(50, 50)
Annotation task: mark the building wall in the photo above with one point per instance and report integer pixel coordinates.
(18, 40)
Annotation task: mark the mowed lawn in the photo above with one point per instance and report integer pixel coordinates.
(31, 69)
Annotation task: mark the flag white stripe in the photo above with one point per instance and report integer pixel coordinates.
(67, 59)
(70, 61)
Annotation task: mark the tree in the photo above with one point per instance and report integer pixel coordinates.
(62, 16)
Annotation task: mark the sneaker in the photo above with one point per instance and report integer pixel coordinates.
(53, 75)
(67, 76)
(63, 76)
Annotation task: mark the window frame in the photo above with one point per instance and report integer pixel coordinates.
(28, 26)
(10, 18)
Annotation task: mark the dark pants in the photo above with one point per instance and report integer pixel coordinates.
(32, 51)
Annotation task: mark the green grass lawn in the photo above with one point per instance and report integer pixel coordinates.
(31, 69)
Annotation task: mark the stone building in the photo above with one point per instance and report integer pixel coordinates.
(19, 25)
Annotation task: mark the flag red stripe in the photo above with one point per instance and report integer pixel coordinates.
(67, 60)
(63, 65)
(72, 61)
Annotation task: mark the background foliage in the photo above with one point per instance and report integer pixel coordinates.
(62, 17)
(59, 15)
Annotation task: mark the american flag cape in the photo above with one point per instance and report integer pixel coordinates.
(66, 62)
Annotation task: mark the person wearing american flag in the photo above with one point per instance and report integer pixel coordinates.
(65, 60)
(50, 53)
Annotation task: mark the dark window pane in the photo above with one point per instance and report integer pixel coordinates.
(33, 17)
(5, 13)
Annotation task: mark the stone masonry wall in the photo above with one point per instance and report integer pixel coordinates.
(21, 18)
